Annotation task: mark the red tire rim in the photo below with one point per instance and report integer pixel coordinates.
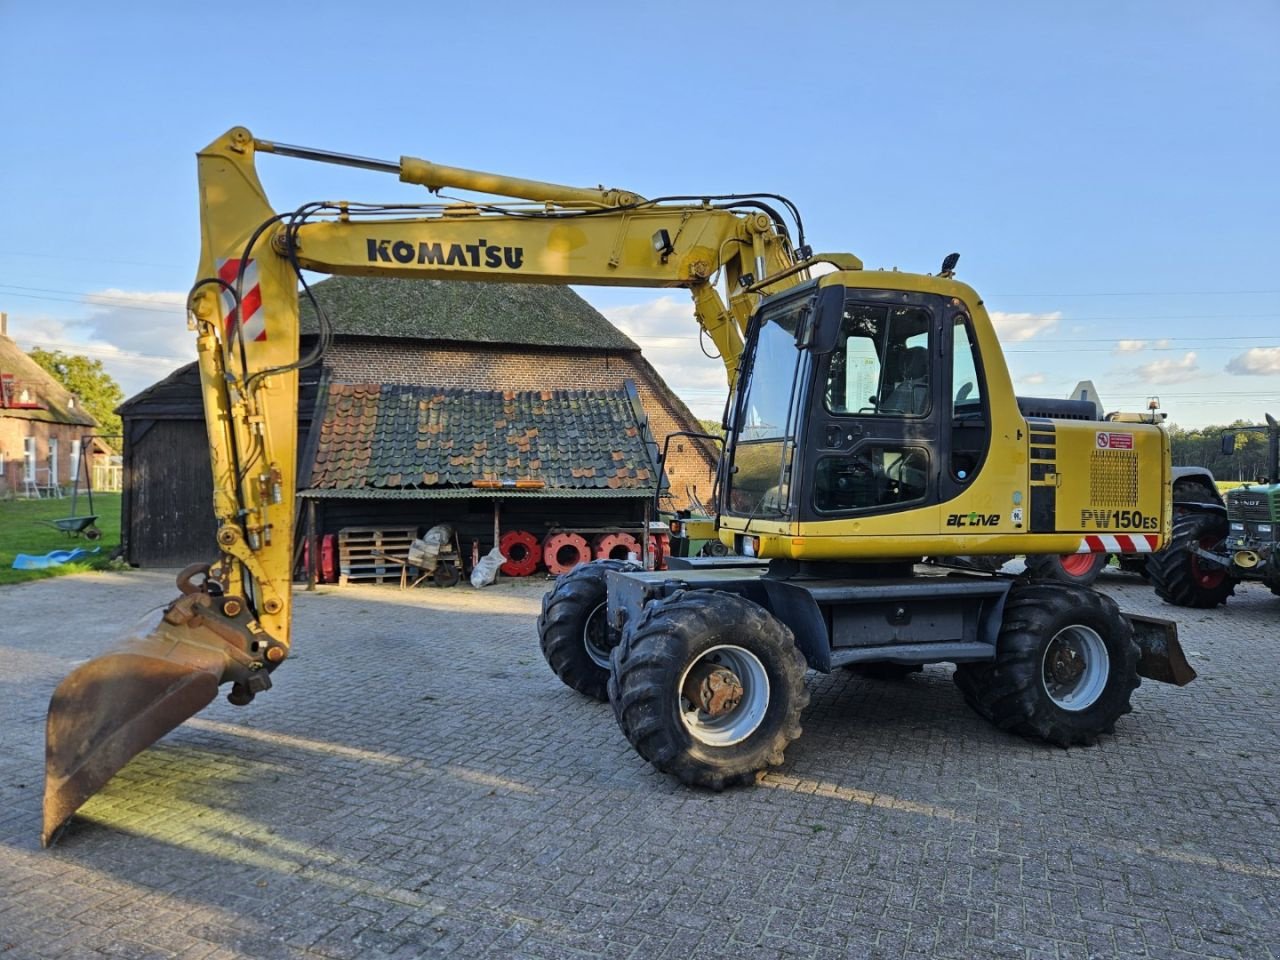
(1207, 578)
(564, 551)
(1077, 564)
(617, 546)
(522, 550)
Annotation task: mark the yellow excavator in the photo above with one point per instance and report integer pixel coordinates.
(871, 423)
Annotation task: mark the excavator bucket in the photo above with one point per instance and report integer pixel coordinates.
(116, 705)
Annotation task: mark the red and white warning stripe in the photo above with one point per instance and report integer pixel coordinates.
(253, 322)
(1119, 543)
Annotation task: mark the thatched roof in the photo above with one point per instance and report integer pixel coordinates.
(506, 313)
(59, 406)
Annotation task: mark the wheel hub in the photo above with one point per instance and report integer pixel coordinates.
(1075, 668)
(724, 695)
(1065, 664)
(713, 689)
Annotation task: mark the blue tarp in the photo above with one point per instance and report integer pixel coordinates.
(24, 561)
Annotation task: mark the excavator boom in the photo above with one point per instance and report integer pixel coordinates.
(231, 621)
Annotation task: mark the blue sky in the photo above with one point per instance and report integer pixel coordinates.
(1107, 170)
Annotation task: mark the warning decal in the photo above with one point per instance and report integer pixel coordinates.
(1115, 441)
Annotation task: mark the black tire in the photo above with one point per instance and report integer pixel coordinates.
(1078, 568)
(658, 651)
(446, 574)
(1050, 653)
(884, 669)
(572, 631)
(92, 533)
(1179, 576)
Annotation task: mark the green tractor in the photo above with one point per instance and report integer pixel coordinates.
(1214, 548)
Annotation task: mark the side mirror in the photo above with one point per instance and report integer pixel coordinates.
(1228, 444)
(828, 318)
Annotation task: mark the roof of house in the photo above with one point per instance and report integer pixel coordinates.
(57, 403)
(384, 439)
(506, 313)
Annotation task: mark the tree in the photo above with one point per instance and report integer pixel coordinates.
(95, 389)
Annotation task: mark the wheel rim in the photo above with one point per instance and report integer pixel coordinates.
(1075, 668)
(1207, 577)
(738, 723)
(1077, 564)
(595, 636)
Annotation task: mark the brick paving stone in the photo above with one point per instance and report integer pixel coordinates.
(418, 784)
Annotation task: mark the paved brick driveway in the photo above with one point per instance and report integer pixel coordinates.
(419, 784)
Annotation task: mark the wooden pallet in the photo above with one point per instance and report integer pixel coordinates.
(363, 553)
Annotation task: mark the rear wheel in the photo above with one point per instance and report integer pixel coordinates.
(573, 630)
(708, 687)
(1185, 579)
(1077, 568)
(1065, 667)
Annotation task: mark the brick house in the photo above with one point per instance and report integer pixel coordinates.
(42, 426)
(457, 345)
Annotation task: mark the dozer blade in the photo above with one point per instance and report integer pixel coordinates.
(111, 708)
(1160, 655)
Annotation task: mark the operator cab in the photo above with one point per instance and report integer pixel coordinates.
(855, 401)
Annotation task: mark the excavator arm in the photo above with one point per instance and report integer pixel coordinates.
(231, 622)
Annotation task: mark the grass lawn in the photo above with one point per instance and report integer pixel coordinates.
(20, 533)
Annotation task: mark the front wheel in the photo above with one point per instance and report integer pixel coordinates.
(573, 630)
(1065, 666)
(708, 687)
(1185, 579)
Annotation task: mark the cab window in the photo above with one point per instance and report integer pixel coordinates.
(881, 364)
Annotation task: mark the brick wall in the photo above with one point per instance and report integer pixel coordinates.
(478, 367)
(13, 433)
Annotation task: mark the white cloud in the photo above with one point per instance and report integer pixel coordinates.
(1257, 362)
(667, 334)
(1012, 327)
(1136, 346)
(139, 336)
(1032, 379)
(1170, 371)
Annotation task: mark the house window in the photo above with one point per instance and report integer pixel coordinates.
(75, 463)
(53, 461)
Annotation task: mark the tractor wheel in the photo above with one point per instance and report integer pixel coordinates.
(1182, 578)
(884, 669)
(572, 629)
(1065, 667)
(708, 687)
(1078, 568)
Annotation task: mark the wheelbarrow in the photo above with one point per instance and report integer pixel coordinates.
(76, 526)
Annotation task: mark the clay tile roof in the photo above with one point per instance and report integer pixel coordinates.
(409, 438)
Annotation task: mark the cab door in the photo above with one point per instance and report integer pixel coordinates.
(876, 410)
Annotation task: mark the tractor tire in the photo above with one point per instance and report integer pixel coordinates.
(1180, 577)
(572, 629)
(1065, 666)
(707, 629)
(884, 670)
(1078, 568)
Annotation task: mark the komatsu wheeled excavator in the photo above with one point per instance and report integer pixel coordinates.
(871, 422)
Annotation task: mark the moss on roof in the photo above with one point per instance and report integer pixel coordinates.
(509, 313)
(59, 404)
